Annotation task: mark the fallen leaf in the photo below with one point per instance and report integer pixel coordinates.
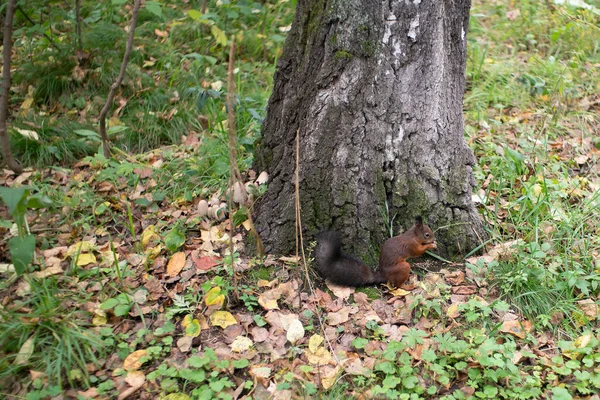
(176, 264)
(214, 297)
(261, 374)
(329, 376)
(589, 307)
(314, 342)
(149, 236)
(191, 326)
(25, 352)
(268, 299)
(295, 331)
(222, 319)
(85, 259)
(340, 317)
(206, 263)
(132, 362)
(49, 272)
(241, 344)
(184, 344)
(517, 328)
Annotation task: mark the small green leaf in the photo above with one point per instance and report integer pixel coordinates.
(174, 239)
(21, 251)
(194, 14)
(14, 199)
(122, 309)
(154, 8)
(108, 304)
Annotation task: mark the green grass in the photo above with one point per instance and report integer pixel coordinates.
(526, 120)
(530, 118)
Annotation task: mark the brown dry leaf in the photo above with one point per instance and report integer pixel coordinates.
(290, 260)
(206, 263)
(268, 299)
(329, 376)
(91, 393)
(356, 367)
(590, 308)
(135, 378)
(464, 290)
(341, 292)
(259, 334)
(184, 344)
(49, 271)
(455, 278)
(261, 374)
(222, 319)
(266, 283)
(453, 311)
(132, 362)
(340, 317)
(176, 264)
(519, 329)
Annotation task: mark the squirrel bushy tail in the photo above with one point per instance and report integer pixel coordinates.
(340, 268)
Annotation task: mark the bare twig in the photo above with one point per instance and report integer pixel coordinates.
(234, 173)
(32, 22)
(6, 61)
(117, 83)
(78, 24)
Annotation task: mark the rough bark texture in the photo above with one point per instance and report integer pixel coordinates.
(376, 90)
(6, 60)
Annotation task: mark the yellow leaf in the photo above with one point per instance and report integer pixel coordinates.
(80, 247)
(268, 299)
(26, 105)
(314, 342)
(219, 35)
(191, 325)
(319, 357)
(453, 311)
(85, 259)
(99, 317)
(148, 235)
(241, 344)
(176, 264)
(25, 352)
(132, 362)
(114, 121)
(214, 297)
(222, 319)
(328, 378)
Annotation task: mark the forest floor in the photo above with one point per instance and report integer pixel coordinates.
(131, 293)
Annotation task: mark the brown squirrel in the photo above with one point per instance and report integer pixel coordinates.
(346, 270)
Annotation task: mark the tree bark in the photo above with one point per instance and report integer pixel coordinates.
(375, 89)
(9, 158)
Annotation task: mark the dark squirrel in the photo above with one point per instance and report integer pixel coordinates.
(343, 269)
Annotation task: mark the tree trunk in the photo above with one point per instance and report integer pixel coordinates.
(375, 89)
(5, 93)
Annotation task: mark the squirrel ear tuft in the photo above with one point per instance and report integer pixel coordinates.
(419, 220)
